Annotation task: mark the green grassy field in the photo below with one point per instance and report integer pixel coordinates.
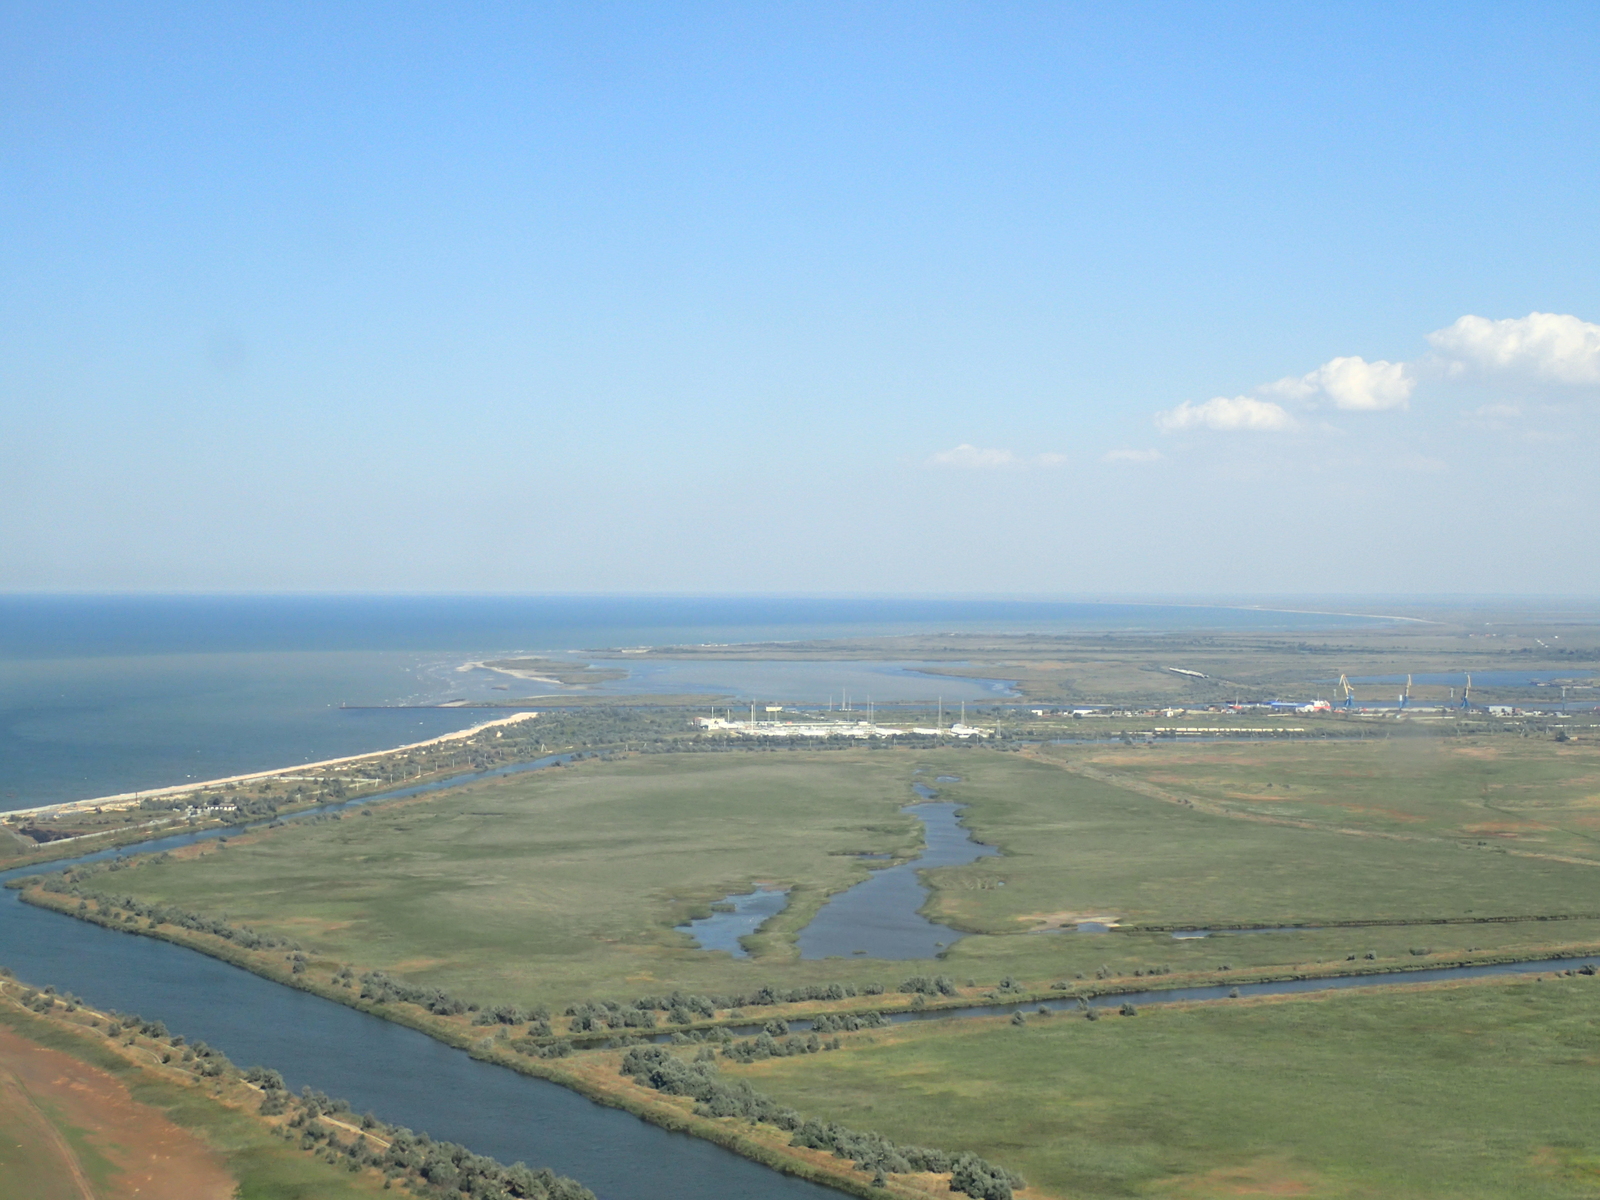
(563, 883)
(560, 885)
(1083, 845)
(1478, 1090)
(1504, 791)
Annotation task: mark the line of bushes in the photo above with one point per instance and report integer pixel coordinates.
(598, 1016)
(657, 1068)
(385, 989)
(433, 1168)
(129, 911)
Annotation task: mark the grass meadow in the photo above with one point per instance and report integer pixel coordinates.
(1473, 1090)
(1506, 791)
(563, 885)
(1084, 846)
(559, 885)
(566, 883)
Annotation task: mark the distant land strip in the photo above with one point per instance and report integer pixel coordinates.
(129, 798)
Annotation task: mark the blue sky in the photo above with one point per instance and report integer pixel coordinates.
(1061, 299)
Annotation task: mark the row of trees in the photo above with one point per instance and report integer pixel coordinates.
(436, 1168)
(129, 911)
(598, 1016)
(764, 1045)
(385, 989)
(657, 1068)
(929, 985)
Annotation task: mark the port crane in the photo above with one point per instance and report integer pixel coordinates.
(1349, 692)
(1466, 694)
(1405, 696)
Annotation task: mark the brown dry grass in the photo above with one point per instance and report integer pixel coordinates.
(93, 1140)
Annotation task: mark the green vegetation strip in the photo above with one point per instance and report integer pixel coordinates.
(507, 892)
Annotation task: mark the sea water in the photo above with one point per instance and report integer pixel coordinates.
(102, 695)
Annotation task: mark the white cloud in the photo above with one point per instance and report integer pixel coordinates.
(1555, 347)
(1132, 456)
(1548, 348)
(1352, 383)
(1290, 387)
(977, 458)
(1228, 415)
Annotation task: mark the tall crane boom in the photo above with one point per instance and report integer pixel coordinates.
(1349, 692)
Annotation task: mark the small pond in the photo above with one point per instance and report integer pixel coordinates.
(734, 917)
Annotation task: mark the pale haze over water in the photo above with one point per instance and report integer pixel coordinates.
(100, 695)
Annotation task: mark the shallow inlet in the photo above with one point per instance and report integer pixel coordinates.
(879, 917)
(745, 913)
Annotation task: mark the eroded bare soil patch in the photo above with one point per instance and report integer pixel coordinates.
(133, 1151)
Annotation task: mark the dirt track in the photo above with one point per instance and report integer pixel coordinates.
(69, 1131)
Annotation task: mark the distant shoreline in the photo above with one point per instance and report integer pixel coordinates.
(129, 799)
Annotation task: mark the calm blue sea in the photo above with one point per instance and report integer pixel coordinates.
(111, 694)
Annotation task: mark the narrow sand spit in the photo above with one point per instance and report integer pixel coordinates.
(126, 799)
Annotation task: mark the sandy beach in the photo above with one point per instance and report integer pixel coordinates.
(129, 799)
